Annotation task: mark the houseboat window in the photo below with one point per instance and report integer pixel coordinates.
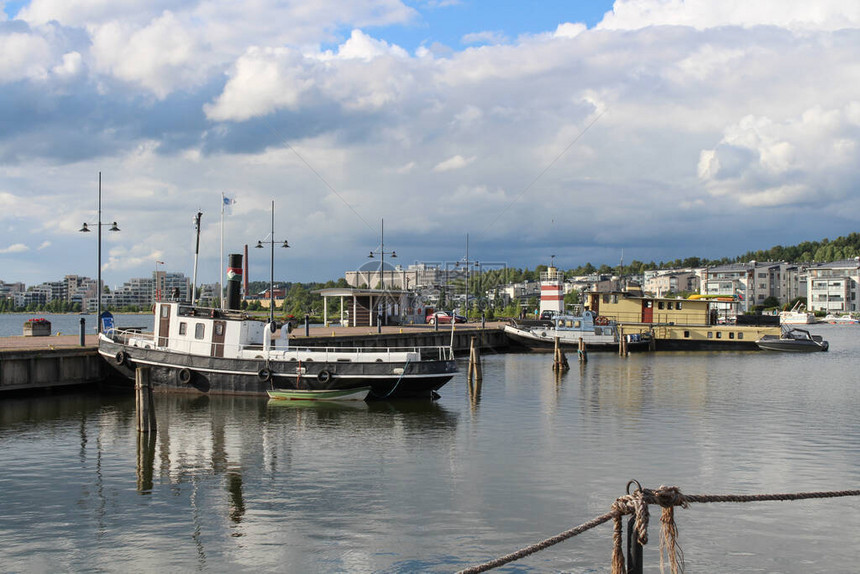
(710, 334)
(660, 305)
(219, 329)
(576, 324)
(615, 298)
(686, 334)
(740, 335)
(165, 311)
(719, 335)
(606, 298)
(199, 330)
(669, 305)
(183, 328)
(678, 305)
(731, 335)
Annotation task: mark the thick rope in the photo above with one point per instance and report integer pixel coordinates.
(637, 503)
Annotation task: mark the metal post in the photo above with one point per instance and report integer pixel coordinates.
(99, 278)
(634, 549)
(83, 330)
(307, 325)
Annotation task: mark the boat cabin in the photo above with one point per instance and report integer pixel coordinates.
(201, 331)
(624, 307)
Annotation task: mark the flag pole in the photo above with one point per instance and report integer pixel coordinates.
(221, 277)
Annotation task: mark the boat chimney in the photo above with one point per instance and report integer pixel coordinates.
(234, 280)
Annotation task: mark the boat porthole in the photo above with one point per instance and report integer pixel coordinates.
(264, 374)
(120, 357)
(543, 334)
(324, 377)
(184, 376)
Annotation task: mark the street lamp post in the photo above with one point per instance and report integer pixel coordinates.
(382, 253)
(86, 229)
(271, 241)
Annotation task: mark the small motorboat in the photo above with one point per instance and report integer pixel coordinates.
(353, 394)
(793, 340)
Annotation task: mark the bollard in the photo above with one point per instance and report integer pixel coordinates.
(634, 549)
(307, 325)
(483, 321)
(475, 373)
(83, 331)
(143, 400)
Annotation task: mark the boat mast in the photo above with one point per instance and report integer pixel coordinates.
(196, 253)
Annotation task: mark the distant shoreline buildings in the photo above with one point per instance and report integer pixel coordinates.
(827, 287)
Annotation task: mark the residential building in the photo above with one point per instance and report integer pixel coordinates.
(832, 286)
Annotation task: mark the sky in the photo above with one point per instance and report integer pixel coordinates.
(510, 133)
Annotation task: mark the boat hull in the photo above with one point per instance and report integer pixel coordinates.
(179, 372)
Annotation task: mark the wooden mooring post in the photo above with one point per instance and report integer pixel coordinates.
(476, 375)
(583, 354)
(559, 359)
(143, 400)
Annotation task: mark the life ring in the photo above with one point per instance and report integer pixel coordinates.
(120, 357)
(324, 377)
(264, 374)
(184, 376)
(601, 320)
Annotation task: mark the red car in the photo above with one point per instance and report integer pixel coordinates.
(443, 317)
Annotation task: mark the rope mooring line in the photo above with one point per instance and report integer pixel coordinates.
(636, 503)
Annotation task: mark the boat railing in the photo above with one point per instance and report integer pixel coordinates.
(195, 346)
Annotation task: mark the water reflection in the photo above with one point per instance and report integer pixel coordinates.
(234, 483)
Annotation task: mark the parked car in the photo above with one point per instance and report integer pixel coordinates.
(443, 317)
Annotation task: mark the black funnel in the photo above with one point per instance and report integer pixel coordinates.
(234, 281)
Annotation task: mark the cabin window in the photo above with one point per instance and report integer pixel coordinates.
(606, 298)
(740, 335)
(660, 305)
(731, 335)
(669, 305)
(165, 311)
(219, 329)
(686, 334)
(678, 305)
(719, 335)
(615, 298)
(576, 324)
(710, 334)
(183, 328)
(199, 330)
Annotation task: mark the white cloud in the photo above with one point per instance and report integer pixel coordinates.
(703, 14)
(456, 162)
(161, 56)
(15, 248)
(487, 37)
(25, 56)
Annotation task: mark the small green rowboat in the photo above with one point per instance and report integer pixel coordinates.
(356, 394)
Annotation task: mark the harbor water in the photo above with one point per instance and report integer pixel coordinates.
(241, 485)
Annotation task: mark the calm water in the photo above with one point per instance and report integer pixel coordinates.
(237, 485)
(12, 324)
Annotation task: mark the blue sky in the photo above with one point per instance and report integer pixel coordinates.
(663, 128)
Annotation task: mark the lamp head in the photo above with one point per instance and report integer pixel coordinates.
(259, 245)
(84, 229)
(113, 227)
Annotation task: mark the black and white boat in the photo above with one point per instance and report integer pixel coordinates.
(216, 351)
(793, 340)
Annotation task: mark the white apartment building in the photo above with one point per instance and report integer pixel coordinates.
(833, 286)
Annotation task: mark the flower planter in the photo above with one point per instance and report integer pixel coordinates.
(37, 328)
